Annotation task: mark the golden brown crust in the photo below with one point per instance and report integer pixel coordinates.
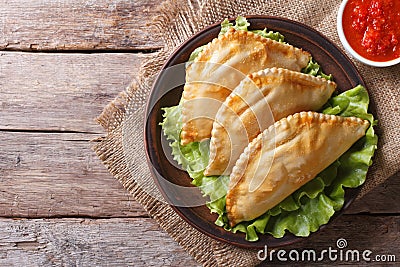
(233, 34)
(305, 144)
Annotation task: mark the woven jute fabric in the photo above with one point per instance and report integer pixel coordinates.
(122, 149)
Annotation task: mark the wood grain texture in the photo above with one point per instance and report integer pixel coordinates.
(41, 25)
(86, 242)
(55, 175)
(61, 92)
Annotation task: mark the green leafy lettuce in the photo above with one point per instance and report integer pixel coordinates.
(310, 206)
(313, 68)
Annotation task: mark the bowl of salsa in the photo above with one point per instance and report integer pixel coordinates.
(370, 30)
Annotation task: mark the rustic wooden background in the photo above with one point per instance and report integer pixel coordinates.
(61, 62)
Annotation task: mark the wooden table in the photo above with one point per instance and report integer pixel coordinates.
(61, 62)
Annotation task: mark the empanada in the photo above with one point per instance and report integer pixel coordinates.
(220, 67)
(259, 100)
(273, 166)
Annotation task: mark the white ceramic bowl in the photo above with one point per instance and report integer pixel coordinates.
(349, 49)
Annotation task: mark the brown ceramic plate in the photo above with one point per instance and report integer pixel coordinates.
(332, 60)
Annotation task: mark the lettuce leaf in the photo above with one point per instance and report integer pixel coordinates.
(194, 159)
(313, 68)
(276, 36)
(241, 24)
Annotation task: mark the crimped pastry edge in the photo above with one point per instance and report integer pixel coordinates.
(259, 74)
(255, 145)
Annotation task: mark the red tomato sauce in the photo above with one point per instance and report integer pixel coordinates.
(372, 28)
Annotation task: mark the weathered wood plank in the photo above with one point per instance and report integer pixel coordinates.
(83, 242)
(55, 175)
(140, 242)
(77, 25)
(383, 199)
(61, 92)
(48, 175)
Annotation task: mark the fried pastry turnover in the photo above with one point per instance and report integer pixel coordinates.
(270, 169)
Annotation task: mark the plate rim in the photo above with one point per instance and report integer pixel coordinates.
(178, 210)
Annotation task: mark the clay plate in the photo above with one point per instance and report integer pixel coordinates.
(332, 60)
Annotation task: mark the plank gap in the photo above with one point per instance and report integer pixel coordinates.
(85, 52)
(373, 214)
(83, 217)
(48, 131)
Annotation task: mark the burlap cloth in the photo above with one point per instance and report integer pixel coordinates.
(122, 150)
